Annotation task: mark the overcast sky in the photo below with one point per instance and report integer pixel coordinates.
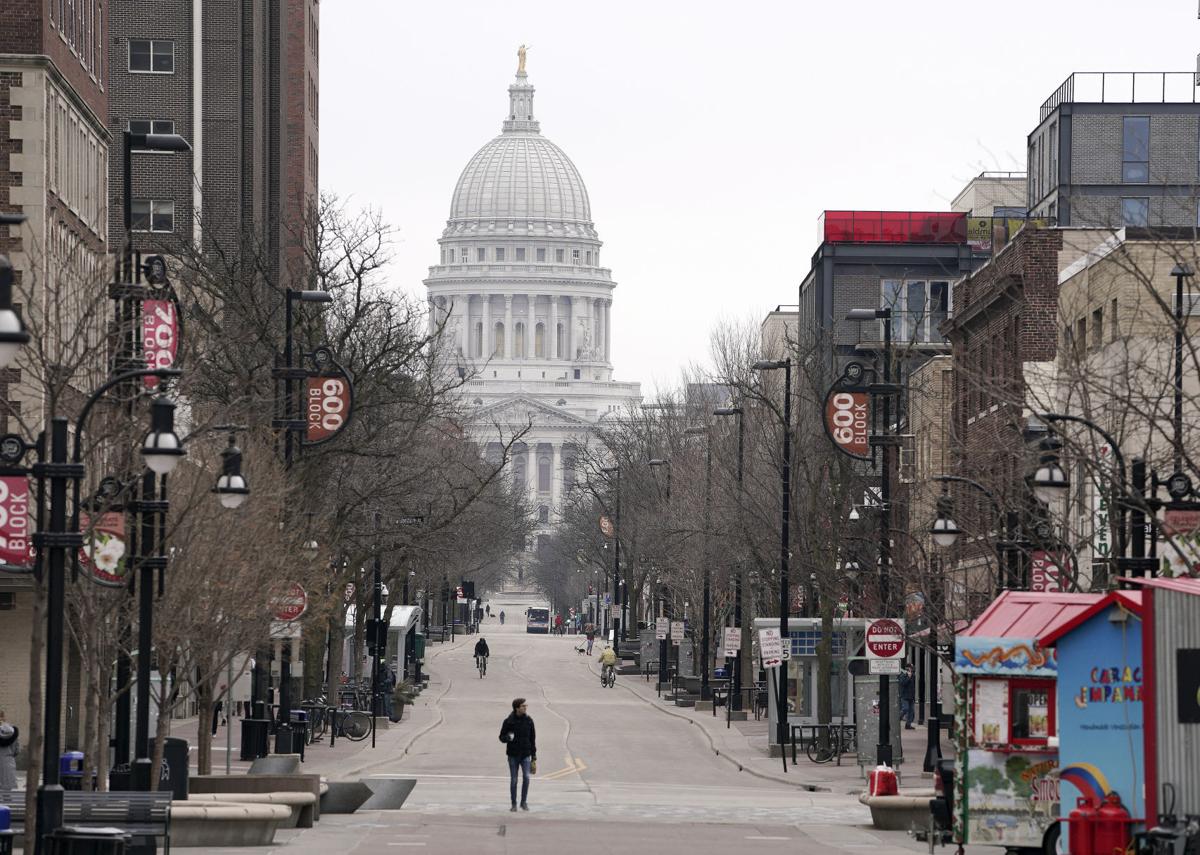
(711, 135)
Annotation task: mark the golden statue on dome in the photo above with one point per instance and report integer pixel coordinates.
(521, 58)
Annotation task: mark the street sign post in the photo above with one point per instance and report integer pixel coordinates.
(733, 640)
(884, 666)
(676, 631)
(662, 627)
(885, 641)
(770, 648)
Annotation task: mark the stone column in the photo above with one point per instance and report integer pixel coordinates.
(485, 342)
(462, 313)
(508, 327)
(598, 314)
(555, 479)
(607, 331)
(552, 343)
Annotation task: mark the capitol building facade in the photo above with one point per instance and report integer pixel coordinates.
(527, 306)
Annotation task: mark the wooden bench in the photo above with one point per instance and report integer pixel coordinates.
(140, 814)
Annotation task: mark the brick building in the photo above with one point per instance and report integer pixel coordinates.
(54, 150)
(1117, 149)
(240, 84)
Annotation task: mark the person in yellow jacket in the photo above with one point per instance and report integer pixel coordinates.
(608, 661)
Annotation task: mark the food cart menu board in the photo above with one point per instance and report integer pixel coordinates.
(991, 712)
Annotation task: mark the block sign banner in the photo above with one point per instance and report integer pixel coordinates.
(103, 551)
(326, 407)
(885, 639)
(15, 547)
(1044, 573)
(770, 648)
(733, 640)
(662, 626)
(848, 420)
(160, 336)
(291, 605)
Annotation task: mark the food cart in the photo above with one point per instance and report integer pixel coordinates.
(1006, 771)
(1100, 722)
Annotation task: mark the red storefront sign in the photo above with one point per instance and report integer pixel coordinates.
(1044, 573)
(326, 407)
(15, 547)
(103, 550)
(160, 336)
(847, 419)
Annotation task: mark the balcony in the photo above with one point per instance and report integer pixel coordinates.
(938, 227)
(1124, 87)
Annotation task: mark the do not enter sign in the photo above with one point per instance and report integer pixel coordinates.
(885, 639)
(291, 605)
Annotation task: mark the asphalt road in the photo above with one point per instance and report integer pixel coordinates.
(615, 773)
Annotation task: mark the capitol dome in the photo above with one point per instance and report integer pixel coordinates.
(520, 179)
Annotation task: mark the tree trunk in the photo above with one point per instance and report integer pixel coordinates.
(91, 708)
(825, 669)
(33, 774)
(204, 702)
(337, 639)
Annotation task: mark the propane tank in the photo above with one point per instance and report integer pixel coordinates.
(1081, 829)
(1112, 827)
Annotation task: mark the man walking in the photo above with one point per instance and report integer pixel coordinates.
(590, 633)
(908, 694)
(520, 738)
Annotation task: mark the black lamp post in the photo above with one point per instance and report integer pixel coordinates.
(743, 649)
(785, 475)
(664, 644)
(140, 142)
(883, 750)
(706, 606)
(618, 617)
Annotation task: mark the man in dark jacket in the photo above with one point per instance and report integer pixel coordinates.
(518, 733)
(908, 695)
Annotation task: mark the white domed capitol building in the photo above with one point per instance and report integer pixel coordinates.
(527, 305)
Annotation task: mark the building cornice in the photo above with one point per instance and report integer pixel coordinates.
(42, 61)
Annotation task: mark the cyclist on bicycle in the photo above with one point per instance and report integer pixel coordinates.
(608, 662)
(482, 652)
(502, 617)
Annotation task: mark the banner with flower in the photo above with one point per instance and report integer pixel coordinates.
(103, 551)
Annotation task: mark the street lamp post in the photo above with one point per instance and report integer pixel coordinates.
(735, 697)
(140, 142)
(619, 616)
(706, 606)
(664, 644)
(785, 476)
(883, 749)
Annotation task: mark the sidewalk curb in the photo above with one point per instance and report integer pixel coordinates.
(730, 758)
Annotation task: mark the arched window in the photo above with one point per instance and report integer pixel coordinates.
(543, 474)
(539, 341)
(498, 339)
(519, 340)
(519, 471)
(477, 345)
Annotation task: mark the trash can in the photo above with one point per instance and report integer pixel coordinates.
(6, 833)
(174, 774)
(70, 770)
(255, 735)
(120, 778)
(299, 720)
(87, 841)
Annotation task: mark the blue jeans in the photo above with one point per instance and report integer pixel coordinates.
(513, 764)
(906, 711)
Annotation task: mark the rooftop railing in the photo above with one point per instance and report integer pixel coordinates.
(1124, 87)
(893, 227)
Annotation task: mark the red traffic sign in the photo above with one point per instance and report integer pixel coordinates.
(292, 604)
(885, 639)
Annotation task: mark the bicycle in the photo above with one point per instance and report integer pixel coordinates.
(608, 676)
(481, 664)
(355, 725)
(317, 710)
(817, 754)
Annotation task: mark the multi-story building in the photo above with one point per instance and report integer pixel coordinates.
(1117, 149)
(240, 85)
(54, 151)
(526, 307)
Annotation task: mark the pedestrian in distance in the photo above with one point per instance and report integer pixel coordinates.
(590, 631)
(520, 738)
(10, 747)
(908, 695)
(502, 617)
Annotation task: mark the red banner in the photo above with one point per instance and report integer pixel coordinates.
(15, 547)
(847, 418)
(326, 407)
(103, 551)
(1044, 573)
(160, 336)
